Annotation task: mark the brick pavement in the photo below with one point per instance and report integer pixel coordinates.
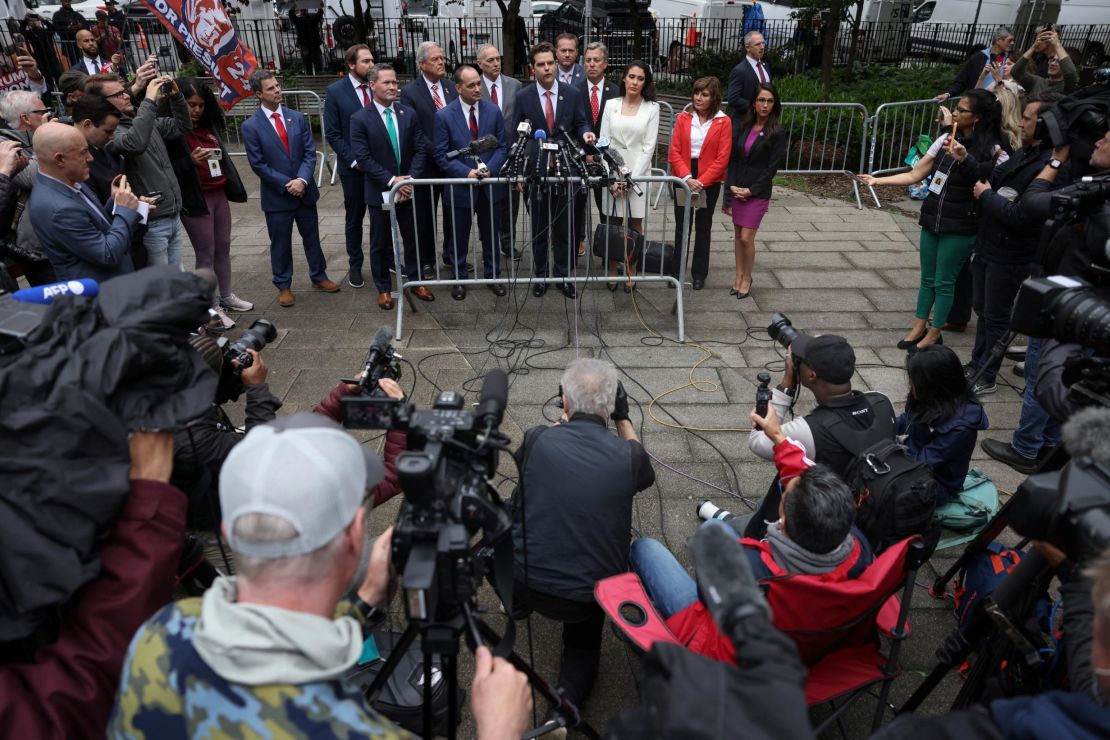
(830, 267)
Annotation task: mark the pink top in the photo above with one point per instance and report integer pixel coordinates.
(752, 136)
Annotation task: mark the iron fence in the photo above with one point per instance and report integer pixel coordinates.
(896, 127)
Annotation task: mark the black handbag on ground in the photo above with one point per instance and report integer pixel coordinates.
(658, 258)
(617, 243)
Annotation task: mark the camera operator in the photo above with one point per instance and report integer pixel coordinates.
(276, 639)
(825, 365)
(66, 691)
(573, 514)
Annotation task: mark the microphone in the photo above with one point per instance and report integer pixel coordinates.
(576, 155)
(46, 294)
(494, 398)
(378, 347)
(487, 143)
(616, 161)
(1086, 434)
(524, 127)
(540, 137)
(516, 151)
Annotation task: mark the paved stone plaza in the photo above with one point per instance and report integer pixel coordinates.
(830, 267)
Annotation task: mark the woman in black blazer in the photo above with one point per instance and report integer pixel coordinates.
(758, 151)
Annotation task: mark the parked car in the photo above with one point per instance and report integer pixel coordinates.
(612, 24)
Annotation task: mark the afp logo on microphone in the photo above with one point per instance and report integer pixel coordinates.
(70, 287)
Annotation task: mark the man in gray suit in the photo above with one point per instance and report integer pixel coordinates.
(595, 90)
(501, 91)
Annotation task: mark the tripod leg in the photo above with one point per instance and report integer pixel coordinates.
(428, 729)
(450, 668)
(399, 651)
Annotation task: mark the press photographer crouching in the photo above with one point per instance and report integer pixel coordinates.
(276, 637)
(573, 514)
(812, 534)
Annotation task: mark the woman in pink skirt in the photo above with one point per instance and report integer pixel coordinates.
(758, 151)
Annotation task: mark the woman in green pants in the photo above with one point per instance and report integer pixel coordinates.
(949, 218)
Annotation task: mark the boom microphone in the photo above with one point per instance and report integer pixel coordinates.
(494, 398)
(616, 161)
(378, 346)
(46, 294)
(487, 143)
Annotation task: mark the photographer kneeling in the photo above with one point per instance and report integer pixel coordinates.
(573, 514)
(812, 535)
(266, 652)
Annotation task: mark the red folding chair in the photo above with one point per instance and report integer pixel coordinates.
(836, 625)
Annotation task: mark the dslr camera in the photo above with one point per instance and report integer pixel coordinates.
(1069, 508)
(237, 358)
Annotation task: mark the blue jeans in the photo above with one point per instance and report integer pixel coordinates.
(667, 583)
(164, 241)
(1036, 429)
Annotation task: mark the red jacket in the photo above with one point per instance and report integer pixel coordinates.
(395, 443)
(70, 689)
(715, 150)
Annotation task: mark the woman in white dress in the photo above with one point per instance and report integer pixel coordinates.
(631, 123)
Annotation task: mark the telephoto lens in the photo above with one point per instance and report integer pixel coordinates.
(708, 510)
(781, 330)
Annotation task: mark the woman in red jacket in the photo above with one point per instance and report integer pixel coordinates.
(701, 144)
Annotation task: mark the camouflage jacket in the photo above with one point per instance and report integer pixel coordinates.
(167, 691)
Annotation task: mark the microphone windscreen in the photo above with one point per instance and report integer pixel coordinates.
(494, 396)
(539, 134)
(46, 294)
(1087, 434)
(382, 337)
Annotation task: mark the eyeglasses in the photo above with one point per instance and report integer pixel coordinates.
(40, 111)
(121, 93)
(964, 110)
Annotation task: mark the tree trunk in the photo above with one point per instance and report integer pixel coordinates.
(637, 30)
(360, 19)
(832, 28)
(855, 37)
(510, 17)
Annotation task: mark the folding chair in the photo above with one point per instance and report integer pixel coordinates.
(836, 625)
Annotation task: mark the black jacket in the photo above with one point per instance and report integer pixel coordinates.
(968, 76)
(954, 210)
(1009, 231)
(756, 169)
(844, 427)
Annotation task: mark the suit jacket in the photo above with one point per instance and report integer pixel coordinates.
(81, 67)
(341, 102)
(568, 110)
(102, 170)
(274, 165)
(756, 169)
(507, 88)
(417, 96)
(742, 84)
(577, 73)
(606, 91)
(78, 242)
(373, 150)
(716, 149)
(452, 132)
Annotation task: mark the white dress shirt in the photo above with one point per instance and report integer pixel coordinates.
(396, 127)
(554, 99)
(285, 122)
(500, 90)
(698, 130)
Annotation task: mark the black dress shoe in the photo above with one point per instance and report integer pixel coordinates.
(912, 341)
(698, 284)
(497, 289)
(458, 292)
(1004, 452)
(517, 253)
(539, 289)
(568, 290)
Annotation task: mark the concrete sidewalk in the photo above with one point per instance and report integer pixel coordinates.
(829, 267)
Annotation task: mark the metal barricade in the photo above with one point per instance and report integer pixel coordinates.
(663, 143)
(825, 139)
(311, 105)
(894, 128)
(552, 239)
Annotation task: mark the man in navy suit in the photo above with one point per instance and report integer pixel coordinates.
(427, 94)
(745, 77)
(343, 99)
(81, 237)
(550, 105)
(461, 122)
(388, 144)
(282, 152)
(570, 72)
(595, 90)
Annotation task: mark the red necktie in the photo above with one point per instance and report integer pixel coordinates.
(435, 97)
(473, 124)
(762, 74)
(549, 112)
(595, 105)
(493, 95)
(281, 132)
(365, 95)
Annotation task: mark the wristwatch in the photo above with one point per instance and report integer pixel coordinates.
(787, 391)
(372, 616)
(1055, 164)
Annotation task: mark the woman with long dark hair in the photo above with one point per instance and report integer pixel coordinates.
(701, 145)
(209, 224)
(949, 218)
(942, 419)
(758, 151)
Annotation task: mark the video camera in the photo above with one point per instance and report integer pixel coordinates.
(1069, 508)
(382, 361)
(781, 330)
(1080, 120)
(1066, 309)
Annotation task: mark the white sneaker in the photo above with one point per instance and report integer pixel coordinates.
(222, 317)
(234, 303)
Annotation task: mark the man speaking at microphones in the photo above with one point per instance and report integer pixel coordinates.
(468, 122)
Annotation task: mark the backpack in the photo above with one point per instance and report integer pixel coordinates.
(894, 493)
(969, 511)
(981, 577)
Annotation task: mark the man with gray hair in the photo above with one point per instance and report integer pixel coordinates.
(746, 77)
(24, 112)
(266, 652)
(997, 53)
(573, 513)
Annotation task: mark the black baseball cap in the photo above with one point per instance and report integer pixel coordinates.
(830, 356)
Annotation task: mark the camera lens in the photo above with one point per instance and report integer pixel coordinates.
(261, 333)
(781, 330)
(1083, 317)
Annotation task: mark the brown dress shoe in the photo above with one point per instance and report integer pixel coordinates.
(423, 294)
(326, 285)
(958, 328)
(285, 297)
(385, 301)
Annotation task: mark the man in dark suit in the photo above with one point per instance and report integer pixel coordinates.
(550, 105)
(570, 72)
(343, 99)
(461, 122)
(426, 95)
(501, 91)
(82, 237)
(745, 77)
(91, 62)
(595, 90)
(282, 153)
(388, 144)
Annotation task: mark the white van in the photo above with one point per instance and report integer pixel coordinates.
(684, 25)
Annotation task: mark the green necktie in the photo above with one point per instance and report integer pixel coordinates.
(393, 135)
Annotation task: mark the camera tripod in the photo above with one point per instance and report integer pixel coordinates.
(995, 628)
(441, 639)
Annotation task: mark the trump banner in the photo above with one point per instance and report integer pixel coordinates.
(202, 27)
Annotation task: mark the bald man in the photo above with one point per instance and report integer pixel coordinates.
(81, 237)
